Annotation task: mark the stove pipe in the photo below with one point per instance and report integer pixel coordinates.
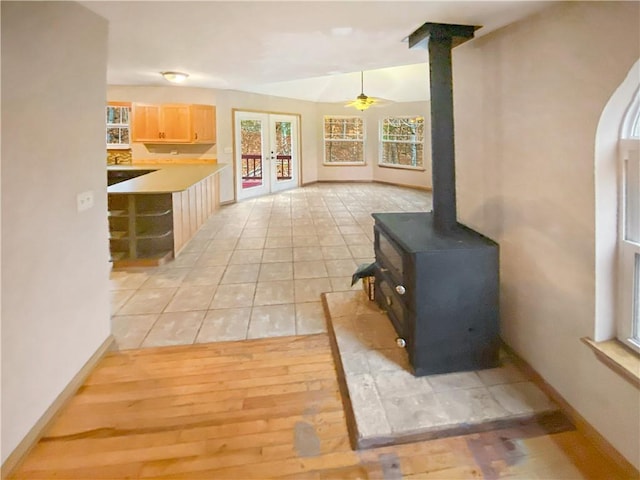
(440, 39)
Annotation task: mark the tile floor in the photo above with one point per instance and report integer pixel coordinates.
(257, 268)
(389, 404)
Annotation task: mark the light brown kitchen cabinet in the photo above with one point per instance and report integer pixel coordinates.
(173, 123)
(203, 123)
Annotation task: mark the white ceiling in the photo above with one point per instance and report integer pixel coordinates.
(306, 50)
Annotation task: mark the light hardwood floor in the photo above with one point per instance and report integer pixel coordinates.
(266, 408)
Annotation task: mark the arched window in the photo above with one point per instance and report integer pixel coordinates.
(629, 227)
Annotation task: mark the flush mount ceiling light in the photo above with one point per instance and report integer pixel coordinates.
(175, 77)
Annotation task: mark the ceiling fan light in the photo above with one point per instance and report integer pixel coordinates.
(174, 77)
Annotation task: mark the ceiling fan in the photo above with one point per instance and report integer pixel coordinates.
(362, 101)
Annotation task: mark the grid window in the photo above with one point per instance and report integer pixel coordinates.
(629, 234)
(117, 118)
(343, 140)
(402, 141)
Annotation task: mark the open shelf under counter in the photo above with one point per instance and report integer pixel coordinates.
(152, 216)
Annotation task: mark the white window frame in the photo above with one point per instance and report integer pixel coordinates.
(628, 325)
(419, 141)
(121, 125)
(360, 140)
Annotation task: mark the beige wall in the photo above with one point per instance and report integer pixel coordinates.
(311, 133)
(169, 94)
(232, 99)
(225, 101)
(55, 305)
(370, 171)
(528, 99)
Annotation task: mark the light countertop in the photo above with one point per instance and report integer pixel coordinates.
(164, 178)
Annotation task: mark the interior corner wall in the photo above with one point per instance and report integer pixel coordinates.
(371, 171)
(55, 270)
(528, 99)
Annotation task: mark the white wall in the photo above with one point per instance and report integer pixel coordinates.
(55, 306)
(528, 99)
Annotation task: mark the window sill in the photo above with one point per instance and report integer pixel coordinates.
(401, 167)
(618, 358)
(345, 164)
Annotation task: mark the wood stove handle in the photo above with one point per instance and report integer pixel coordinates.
(400, 289)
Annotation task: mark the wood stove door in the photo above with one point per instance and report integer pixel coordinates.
(389, 300)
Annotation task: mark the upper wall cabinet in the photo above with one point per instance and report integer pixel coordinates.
(173, 123)
(203, 123)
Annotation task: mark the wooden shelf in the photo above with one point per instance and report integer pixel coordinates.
(156, 213)
(118, 235)
(151, 236)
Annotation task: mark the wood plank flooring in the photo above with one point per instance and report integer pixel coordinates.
(267, 408)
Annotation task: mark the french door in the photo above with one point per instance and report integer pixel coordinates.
(266, 153)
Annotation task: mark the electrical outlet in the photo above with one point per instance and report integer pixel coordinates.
(85, 200)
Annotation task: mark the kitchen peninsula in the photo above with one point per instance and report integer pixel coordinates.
(154, 210)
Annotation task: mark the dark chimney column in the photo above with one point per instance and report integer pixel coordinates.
(440, 39)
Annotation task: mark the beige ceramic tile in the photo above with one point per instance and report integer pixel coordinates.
(166, 278)
(151, 300)
(278, 242)
(130, 330)
(225, 325)
(250, 243)
(273, 255)
(341, 268)
(276, 271)
(233, 296)
(279, 232)
(327, 240)
(311, 269)
(305, 240)
(178, 328)
(335, 252)
(273, 293)
(303, 254)
(127, 280)
(252, 232)
(212, 258)
(243, 273)
(361, 251)
(272, 321)
(310, 318)
(309, 290)
(204, 276)
(191, 297)
(119, 298)
(245, 256)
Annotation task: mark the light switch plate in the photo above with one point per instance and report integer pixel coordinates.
(85, 200)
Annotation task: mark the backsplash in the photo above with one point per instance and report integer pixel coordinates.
(119, 157)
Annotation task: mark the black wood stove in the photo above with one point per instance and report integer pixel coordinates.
(438, 279)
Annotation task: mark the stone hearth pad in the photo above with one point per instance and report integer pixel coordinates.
(386, 404)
